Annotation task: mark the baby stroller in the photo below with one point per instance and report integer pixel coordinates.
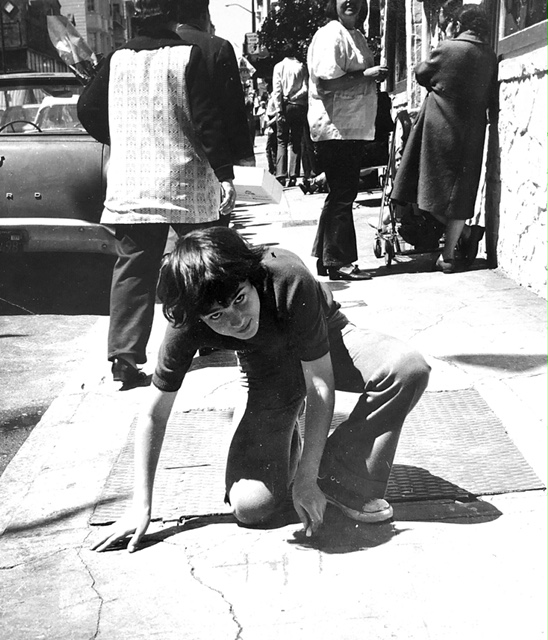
(402, 229)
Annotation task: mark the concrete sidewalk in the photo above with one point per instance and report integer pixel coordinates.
(441, 571)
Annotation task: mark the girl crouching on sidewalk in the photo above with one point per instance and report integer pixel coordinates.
(293, 345)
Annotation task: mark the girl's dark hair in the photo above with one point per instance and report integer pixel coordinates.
(473, 18)
(330, 11)
(205, 268)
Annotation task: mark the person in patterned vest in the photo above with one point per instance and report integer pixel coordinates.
(153, 102)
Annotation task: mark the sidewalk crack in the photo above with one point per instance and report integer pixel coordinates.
(193, 573)
(93, 588)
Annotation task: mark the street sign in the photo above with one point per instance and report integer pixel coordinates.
(251, 43)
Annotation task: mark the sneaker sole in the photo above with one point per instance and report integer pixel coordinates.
(360, 516)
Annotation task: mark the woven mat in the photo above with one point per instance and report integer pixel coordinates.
(452, 446)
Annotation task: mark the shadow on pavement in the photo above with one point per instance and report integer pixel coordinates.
(339, 534)
(22, 528)
(503, 361)
(55, 283)
(475, 511)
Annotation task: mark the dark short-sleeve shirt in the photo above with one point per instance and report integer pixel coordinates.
(295, 319)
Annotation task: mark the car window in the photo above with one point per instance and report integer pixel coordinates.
(33, 107)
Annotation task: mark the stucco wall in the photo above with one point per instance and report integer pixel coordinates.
(522, 131)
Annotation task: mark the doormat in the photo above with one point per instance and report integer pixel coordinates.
(452, 446)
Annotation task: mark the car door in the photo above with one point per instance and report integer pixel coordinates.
(44, 175)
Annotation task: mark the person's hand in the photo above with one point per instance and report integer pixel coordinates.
(134, 523)
(378, 73)
(310, 503)
(229, 197)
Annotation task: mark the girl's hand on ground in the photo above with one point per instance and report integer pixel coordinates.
(310, 503)
(132, 524)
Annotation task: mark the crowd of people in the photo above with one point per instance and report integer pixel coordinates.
(171, 107)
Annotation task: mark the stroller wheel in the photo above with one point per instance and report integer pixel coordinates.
(389, 252)
(377, 249)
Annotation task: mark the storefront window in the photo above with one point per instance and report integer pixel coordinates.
(521, 14)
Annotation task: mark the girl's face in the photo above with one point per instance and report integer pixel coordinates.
(240, 319)
(348, 11)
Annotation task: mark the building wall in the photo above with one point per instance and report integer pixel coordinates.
(416, 45)
(519, 226)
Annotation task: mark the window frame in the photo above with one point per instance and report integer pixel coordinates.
(529, 37)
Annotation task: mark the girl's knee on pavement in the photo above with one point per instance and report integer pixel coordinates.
(252, 502)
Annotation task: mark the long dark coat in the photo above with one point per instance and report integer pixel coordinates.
(441, 164)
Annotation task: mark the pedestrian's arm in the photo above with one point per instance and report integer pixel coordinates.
(92, 107)
(277, 91)
(353, 79)
(149, 437)
(320, 399)
(207, 117)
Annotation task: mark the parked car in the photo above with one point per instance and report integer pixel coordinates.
(52, 172)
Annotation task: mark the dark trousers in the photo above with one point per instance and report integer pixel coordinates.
(335, 242)
(271, 148)
(290, 133)
(140, 248)
(388, 377)
(308, 154)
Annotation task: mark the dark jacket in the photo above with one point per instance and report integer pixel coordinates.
(223, 68)
(205, 109)
(441, 164)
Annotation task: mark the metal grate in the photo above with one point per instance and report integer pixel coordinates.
(452, 446)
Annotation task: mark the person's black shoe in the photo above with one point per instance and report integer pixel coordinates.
(127, 374)
(321, 269)
(341, 274)
(292, 182)
(471, 245)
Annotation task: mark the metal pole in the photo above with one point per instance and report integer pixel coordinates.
(253, 17)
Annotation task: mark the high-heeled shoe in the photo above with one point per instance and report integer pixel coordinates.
(354, 274)
(126, 373)
(471, 244)
(321, 269)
